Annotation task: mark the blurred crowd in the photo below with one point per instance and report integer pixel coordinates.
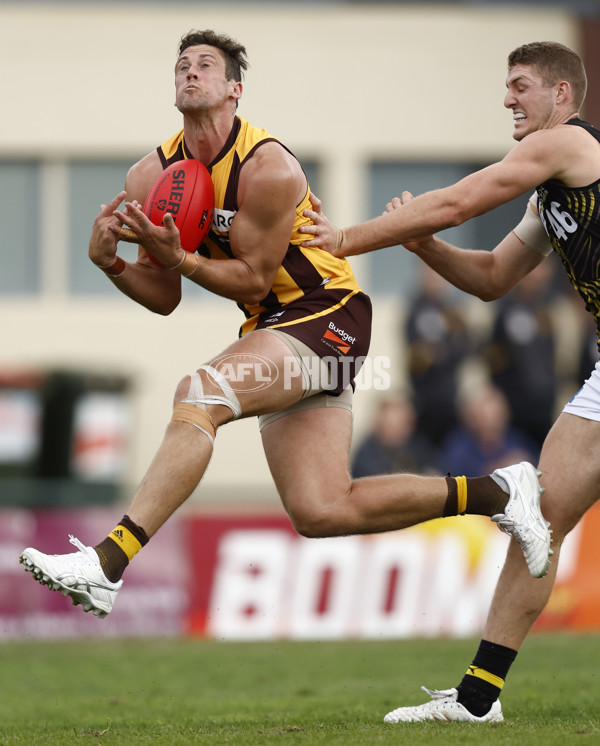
(484, 382)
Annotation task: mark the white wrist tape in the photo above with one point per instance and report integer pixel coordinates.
(531, 231)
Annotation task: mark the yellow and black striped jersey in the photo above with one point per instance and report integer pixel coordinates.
(571, 217)
(305, 273)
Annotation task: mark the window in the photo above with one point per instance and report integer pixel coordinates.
(393, 271)
(19, 217)
(313, 174)
(92, 183)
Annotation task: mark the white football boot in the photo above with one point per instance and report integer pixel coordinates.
(443, 706)
(78, 575)
(522, 518)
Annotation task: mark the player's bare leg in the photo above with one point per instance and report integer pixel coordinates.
(183, 456)
(92, 576)
(307, 453)
(571, 477)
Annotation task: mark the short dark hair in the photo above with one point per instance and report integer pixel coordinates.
(554, 62)
(233, 51)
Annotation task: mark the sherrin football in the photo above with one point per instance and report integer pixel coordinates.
(184, 189)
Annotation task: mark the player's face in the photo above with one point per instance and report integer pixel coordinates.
(532, 102)
(200, 81)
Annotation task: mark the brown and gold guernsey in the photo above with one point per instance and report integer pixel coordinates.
(315, 296)
(571, 217)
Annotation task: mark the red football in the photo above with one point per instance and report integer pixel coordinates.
(184, 189)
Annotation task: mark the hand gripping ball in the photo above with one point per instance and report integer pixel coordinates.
(184, 189)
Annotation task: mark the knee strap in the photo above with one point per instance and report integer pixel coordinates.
(229, 398)
(192, 409)
(194, 415)
(199, 398)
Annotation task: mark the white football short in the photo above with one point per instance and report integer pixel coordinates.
(586, 402)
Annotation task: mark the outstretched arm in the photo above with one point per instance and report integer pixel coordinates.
(486, 274)
(540, 156)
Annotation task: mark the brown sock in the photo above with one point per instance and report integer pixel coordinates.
(485, 496)
(451, 507)
(114, 554)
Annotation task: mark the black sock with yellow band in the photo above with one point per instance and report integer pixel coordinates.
(484, 679)
(119, 547)
(475, 496)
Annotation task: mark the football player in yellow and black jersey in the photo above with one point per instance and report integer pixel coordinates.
(305, 335)
(557, 155)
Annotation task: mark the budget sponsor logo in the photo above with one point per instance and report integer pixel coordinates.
(338, 339)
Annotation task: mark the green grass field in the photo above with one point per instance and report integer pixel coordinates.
(204, 692)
